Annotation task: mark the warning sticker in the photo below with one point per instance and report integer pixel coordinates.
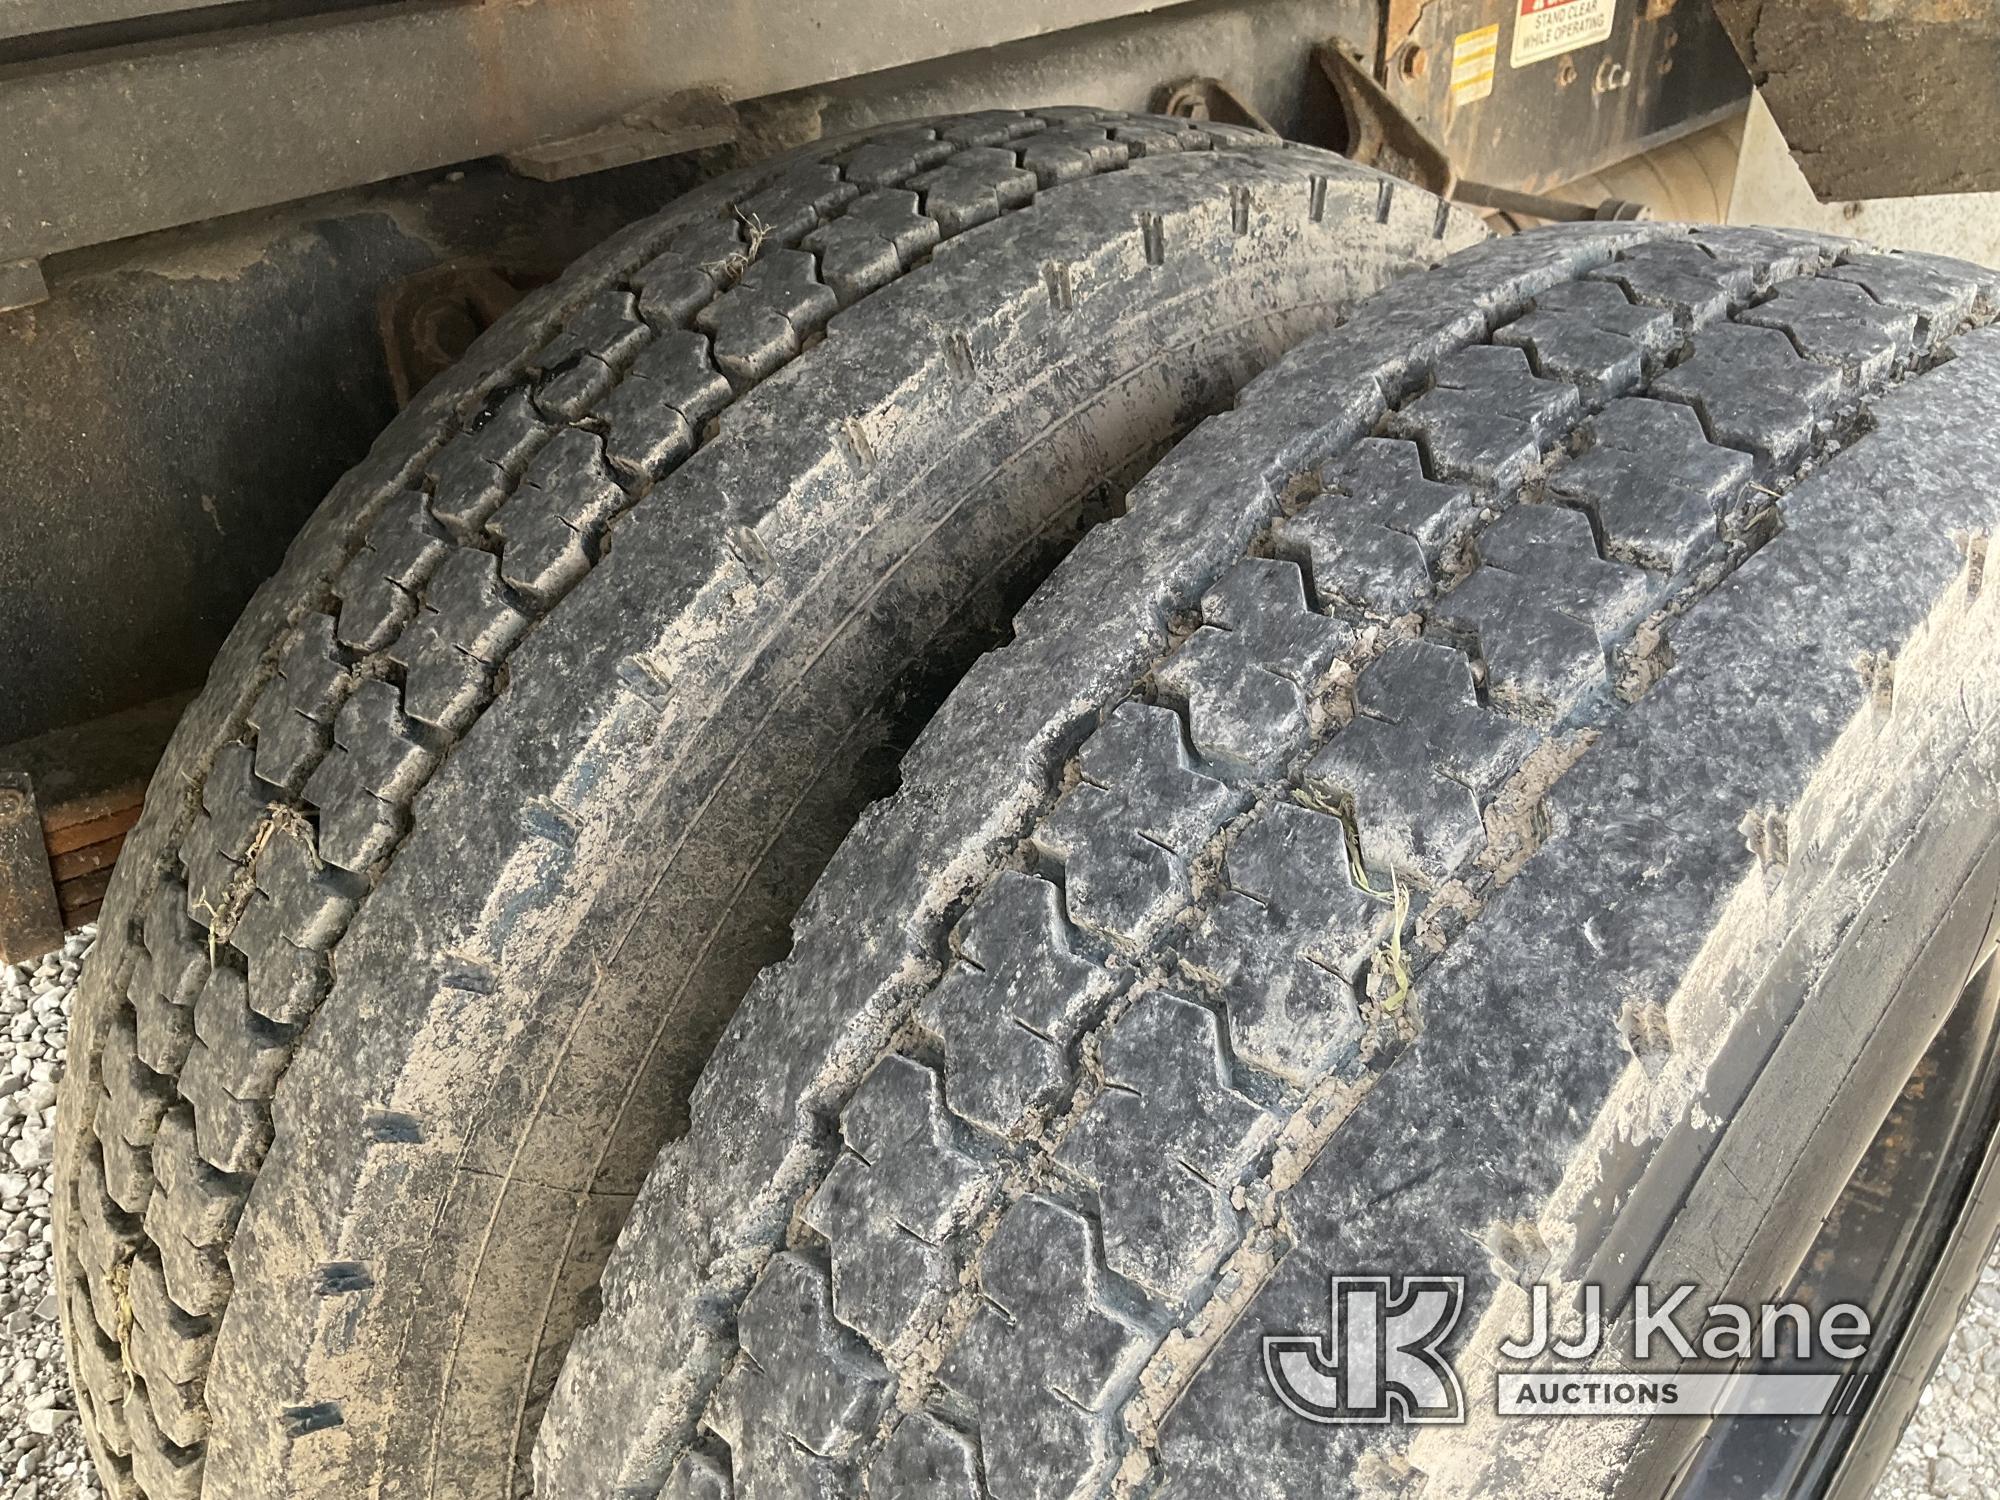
(1473, 57)
(1548, 28)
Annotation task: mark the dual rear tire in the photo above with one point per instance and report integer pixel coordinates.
(507, 785)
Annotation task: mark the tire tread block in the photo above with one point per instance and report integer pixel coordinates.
(891, 1202)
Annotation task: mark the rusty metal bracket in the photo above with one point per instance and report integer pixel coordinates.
(85, 787)
(30, 921)
(1378, 133)
(21, 285)
(1211, 99)
(1555, 210)
(1399, 23)
(687, 121)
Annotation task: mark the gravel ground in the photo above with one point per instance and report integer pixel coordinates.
(41, 1449)
(1952, 1448)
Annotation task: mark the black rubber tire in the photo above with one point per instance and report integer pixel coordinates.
(502, 790)
(1613, 594)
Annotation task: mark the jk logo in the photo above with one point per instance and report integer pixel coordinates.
(1381, 1362)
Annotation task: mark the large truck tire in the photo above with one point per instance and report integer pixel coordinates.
(505, 787)
(1513, 799)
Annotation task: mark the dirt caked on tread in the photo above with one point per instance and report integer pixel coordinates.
(1314, 882)
(506, 785)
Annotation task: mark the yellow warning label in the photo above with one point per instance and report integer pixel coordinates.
(1473, 56)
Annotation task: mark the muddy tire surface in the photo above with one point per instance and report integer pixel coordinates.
(506, 786)
(1511, 799)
